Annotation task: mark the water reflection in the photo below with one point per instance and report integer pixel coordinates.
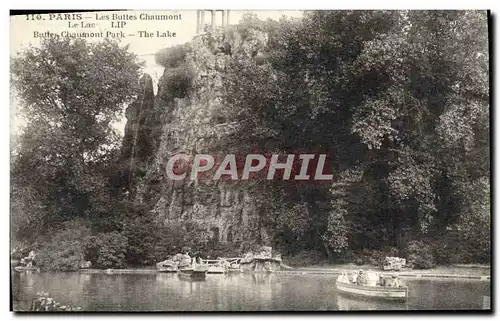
(233, 292)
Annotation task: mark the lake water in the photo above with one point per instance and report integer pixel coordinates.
(239, 292)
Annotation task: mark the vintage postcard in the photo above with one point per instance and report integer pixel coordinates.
(224, 160)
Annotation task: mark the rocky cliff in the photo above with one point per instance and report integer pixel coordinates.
(184, 117)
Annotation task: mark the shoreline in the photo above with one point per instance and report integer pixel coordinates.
(458, 272)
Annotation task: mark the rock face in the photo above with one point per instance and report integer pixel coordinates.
(85, 265)
(187, 120)
(178, 260)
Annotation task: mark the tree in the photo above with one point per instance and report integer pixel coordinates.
(304, 99)
(71, 90)
(398, 97)
(432, 118)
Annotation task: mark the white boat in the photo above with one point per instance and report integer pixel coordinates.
(167, 269)
(25, 268)
(380, 292)
(214, 266)
(234, 270)
(213, 269)
(198, 274)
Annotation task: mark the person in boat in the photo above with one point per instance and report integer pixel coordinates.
(372, 278)
(361, 280)
(342, 278)
(354, 277)
(393, 282)
(381, 280)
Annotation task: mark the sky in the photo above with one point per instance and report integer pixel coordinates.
(22, 30)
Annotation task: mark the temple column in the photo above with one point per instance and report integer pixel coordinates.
(198, 15)
(202, 21)
(227, 21)
(223, 17)
(213, 18)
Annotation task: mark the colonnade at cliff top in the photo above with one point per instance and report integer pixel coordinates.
(200, 19)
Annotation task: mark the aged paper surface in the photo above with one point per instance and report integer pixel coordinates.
(221, 160)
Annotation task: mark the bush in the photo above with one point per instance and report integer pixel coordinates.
(248, 21)
(169, 242)
(176, 82)
(475, 238)
(305, 258)
(223, 250)
(374, 257)
(420, 255)
(106, 250)
(344, 257)
(171, 57)
(148, 243)
(64, 251)
(196, 235)
(446, 248)
(142, 234)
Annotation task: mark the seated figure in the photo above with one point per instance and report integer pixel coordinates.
(393, 282)
(361, 280)
(354, 277)
(342, 278)
(372, 278)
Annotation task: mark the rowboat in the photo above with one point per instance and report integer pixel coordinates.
(233, 270)
(216, 270)
(193, 274)
(167, 266)
(167, 269)
(24, 268)
(214, 266)
(379, 292)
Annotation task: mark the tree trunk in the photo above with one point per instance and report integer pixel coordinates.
(327, 249)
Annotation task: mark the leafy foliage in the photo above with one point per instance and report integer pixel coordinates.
(142, 234)
(63, 249)
(171, 57)
(375, 257)
(71, 91)
(106, 250)
(176, 82)
(420, 255)
(391, 97)
(149, 242)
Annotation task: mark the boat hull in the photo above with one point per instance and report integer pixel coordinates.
(216, 270)
(23, 268)
(167, 270)
(377, 292)
(193, 274)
